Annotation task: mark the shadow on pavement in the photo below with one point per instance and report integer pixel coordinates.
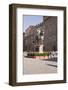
(52, 65)
(52, 59)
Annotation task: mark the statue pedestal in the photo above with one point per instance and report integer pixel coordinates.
(41, 49)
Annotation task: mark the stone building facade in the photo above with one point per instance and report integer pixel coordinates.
(50, 33)
(31, 41)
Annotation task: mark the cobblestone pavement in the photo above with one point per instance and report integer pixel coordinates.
(39, 66)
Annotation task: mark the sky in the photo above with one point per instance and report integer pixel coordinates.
(31, 20)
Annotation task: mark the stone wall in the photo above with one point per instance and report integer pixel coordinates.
(50, 34)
